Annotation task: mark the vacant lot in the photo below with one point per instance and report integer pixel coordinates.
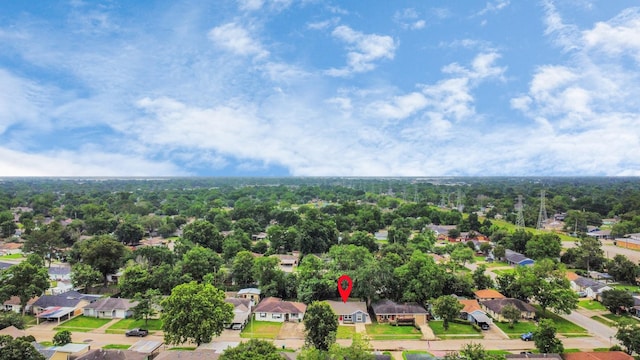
(261, 329)
(389, 332)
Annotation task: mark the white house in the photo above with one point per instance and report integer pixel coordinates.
(275, 310)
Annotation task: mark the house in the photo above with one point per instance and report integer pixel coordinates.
(68, 304)
(534, 356)
(516, 259)
(590, 287)
(188, 355)
(111, 354)
(600, 276)
(287, 262)
(66, 351)
(276, 310)
(600, 355)
(10, 248)
(13, 304)
(259, 236)
(387, 311)
(488, 294)
(241, 311)
(494, 308)
(60, 287)
(472, 312)
(13, 331)
(350, 312)
(252, 294)
(60, 273)
(150, 348)
(600, 234)
(110, 308)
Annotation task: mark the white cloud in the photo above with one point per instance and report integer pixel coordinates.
(21, 101)
(493, 6)
(364, 50)
(250, 5)
(235, 38)
(565, 35)
(619, 36)
(409, 19)
(321, 25)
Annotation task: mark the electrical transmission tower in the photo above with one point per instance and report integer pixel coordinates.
(520, 216)
(542, 215)
(443, 200)
(459, 201)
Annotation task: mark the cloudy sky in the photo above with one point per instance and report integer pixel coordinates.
(319, 87)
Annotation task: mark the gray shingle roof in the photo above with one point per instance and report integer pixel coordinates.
(389, 307)
(66, 299)
(111, 304)
(497, 305)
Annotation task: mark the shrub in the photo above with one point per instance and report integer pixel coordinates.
(62, 338)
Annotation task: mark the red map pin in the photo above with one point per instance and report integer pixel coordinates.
(344, 293)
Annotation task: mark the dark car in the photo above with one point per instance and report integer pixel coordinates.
(527, 336)
(137, 332)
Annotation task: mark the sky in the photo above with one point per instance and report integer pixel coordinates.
(320, 88)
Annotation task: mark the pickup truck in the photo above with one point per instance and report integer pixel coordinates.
(137, 332)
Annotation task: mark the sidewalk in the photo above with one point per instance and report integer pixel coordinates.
(102, 329)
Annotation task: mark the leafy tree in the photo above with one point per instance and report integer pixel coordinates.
(480, 279)
(623, 269)
(252, 349)
(45, 242)
(321, 325)
(629, 335)
(84, 276)
(617, 300)
(472, 351)
(10, 318)
(462, 254)
(146, 306)
(362, 238)
(203, 233)
(447, 308)
(134, 279)
(545, 338)
(499, 251)
(154, 255)
(25, 280)
(104, 254)
(511, 313)
(453, 233)
(194, 312)
(242, 268)
(518, 240)
(18, 349)
(420, 278)
(547, 245)
(589, 253)
(129, 233)
(62, 338)
(200, 261)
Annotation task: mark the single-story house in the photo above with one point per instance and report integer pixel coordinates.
(60, 273)
(276, 310)
(488, 294)
(150, 348)
(591, 287)
(241, 311)
(287, 262)
(630, 241)
(111, 354)
(252, 294)
(58, 306)
(600, 276)
(10, 248)
(13, 331)
(64, 352)
(516, 259)
(534, 356)
(600, 234)
(259, 236)
(599, 355)
(350, 312)
(494, 308)
(13, 304)
(110, 308)
(391, 312)
(472, 312)
(60, 287)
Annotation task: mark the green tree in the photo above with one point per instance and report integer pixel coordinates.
(62, 338)
(104, 254)
(472, 351)
(10, 318)
(462, 254)
(194, 312)
(146, 306)
(548, 285)
(545, 338)
(511, 313)
(480, 279)
(134, 279)
(200, 261)
(321, 325)
(45, 242)
(623, 269)
(617, 300)
(84, 276)
(242, 268)
(547, 245)
(203, 233)
(589, 254)
(18, 349)
(25, 280)
(629, 335)
(129, 233)
(447, 308)
(420, 278)
(252, 349)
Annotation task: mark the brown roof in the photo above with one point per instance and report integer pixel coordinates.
(470, 305)
(497, 305)
(388, 307)
(11, 246)
(111, 354)
(571, 276)
(601, 355)
(187, 355)
(276, 305)
(14, 300)
(488, 294)
(13, 331)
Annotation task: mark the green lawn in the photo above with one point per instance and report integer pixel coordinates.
(125, 324)
(603, 321)
(519, 328)
(495, 264)
(457, 330)
(631, 288)
(511, 228)
(562, 326)
(389, 332)
(11, 257)
(116, 346)
(82, 324)
(261, 329)
(409, 352)
(618, 318)
(503, 271)
(345, 332)
(591, 305)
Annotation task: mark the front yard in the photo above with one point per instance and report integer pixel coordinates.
(457, 330)
(519, 328)
(345, 332)
(377, 331)
(591, 305)
(261, 329)
(125, 324)
(82, 324)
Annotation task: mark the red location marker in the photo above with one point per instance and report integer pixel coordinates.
(344, 293)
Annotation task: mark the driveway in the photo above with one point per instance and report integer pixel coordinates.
(494, 333)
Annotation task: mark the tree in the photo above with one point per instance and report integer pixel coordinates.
(84, 276)
(321, 325)
(203, 233)
(25, 280)
(480, 279)
(146, 306)
(10, 318)
(547, 245)
(252, 349)
(242, 268)
(420, 278)
(545, 338)
(129, 233)
(194, 312)
(200, 261)
(358, 350)
(589, 255)
(547, 284)
(623, 269)
(472, 351)
(104, 254)
(447, 308)
(511, 313)
(617, 300)
(629, 335)
(461, 254)
(62, 338)
(18, 349)
(45, 242)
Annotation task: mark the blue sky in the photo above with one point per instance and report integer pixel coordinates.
(328, 88)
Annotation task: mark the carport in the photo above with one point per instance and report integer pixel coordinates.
(55, 312)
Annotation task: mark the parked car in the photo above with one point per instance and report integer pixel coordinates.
(527, 336)
(582, 294)
(237, 326)
(137, 332)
